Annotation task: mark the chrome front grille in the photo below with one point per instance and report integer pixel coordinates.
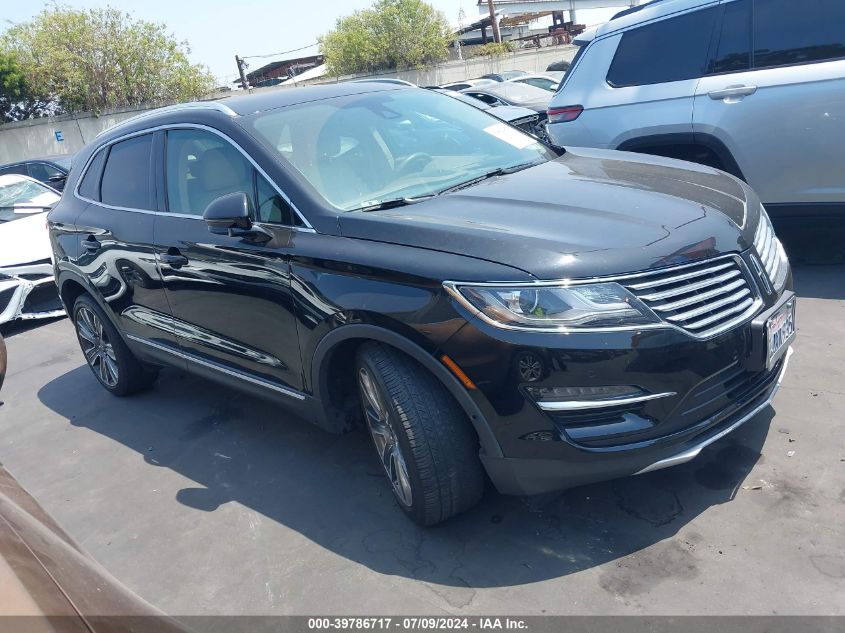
(771, 253)
(704, 299)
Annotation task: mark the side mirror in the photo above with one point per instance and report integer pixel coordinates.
(57, 178)
(228, 214)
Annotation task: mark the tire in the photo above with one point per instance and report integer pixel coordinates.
(436, 472)
(114, 366)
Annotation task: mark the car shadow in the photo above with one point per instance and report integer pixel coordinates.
(812, 241)
(13, 328)
(810, 284)
(331, 490)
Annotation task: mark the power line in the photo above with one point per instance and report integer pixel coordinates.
(301, 48)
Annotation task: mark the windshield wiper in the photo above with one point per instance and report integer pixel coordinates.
(499, 171)
(393, 203)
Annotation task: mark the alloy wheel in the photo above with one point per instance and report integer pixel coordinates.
(98, 350)
(384, 438)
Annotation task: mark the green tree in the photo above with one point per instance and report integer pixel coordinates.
(90, 60)
(17, 99)
(391, 34)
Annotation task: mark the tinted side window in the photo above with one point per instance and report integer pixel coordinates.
(798, 33)
(670, 50)
(202, 167)
(15, 169)
(271, 206)
(733, 48)
(89, 187)
(43, 171)
(126, 178)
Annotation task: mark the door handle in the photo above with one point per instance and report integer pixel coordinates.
(732, 91)
(174, 258)
(91, 244)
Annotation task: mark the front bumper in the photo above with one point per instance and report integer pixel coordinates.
(29, 291)
(708, 388)
(535, 476)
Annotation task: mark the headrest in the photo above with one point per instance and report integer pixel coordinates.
(222, 168)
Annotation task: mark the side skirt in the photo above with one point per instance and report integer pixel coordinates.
(303, 404)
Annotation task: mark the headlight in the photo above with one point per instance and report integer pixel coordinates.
(771, 252)
(554, 308)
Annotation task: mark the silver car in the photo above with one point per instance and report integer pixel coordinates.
(753, 87)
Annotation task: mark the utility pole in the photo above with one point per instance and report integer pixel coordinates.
(497, 37)
(240, 63)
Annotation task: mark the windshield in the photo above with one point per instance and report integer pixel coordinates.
(361, 150)
(21, 192)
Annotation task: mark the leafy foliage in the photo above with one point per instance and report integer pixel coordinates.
(90, 60)
(391, 34)
(493, 49)
(17, 99)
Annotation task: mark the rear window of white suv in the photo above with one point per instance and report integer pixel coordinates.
(673, 49)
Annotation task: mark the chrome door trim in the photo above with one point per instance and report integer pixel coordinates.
(287, 391)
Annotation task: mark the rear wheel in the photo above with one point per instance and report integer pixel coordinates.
(113, 364)
(424, 442)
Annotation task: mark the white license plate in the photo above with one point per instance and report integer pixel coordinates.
(780, 330)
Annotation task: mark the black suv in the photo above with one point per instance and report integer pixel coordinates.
(483, 302)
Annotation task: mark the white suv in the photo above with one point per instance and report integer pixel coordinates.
(753, 87)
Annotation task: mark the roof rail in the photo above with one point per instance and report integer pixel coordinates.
(177, 107)
(634, 9)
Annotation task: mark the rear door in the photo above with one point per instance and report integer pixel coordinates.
(230, 296)
(775, 96)
(116, 238)
(650, 83)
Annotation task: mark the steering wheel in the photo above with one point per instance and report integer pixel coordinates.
(420, 159)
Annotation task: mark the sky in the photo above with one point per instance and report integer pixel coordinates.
(217, 30)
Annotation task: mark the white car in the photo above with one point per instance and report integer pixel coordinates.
(546, 82)
(468, 83)
(27, 287)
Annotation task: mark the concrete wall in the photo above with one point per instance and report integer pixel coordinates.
(37, 137)
(530, 60)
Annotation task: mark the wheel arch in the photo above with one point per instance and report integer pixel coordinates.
(72, 285)
(336, 351)
(642, 145)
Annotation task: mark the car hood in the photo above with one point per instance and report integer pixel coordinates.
(587, 213)
(24, 240)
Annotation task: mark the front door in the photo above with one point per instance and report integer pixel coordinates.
(230, 297)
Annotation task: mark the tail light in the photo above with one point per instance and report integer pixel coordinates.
(565, 114)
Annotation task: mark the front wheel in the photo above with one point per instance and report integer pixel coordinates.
(113, 364)
(427, 447)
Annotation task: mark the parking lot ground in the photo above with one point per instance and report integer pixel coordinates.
(206, 501)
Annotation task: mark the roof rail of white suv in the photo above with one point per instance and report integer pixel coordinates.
(648, 11)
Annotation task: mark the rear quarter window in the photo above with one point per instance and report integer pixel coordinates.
(89, 186)
(673, 49)
(127, 174)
